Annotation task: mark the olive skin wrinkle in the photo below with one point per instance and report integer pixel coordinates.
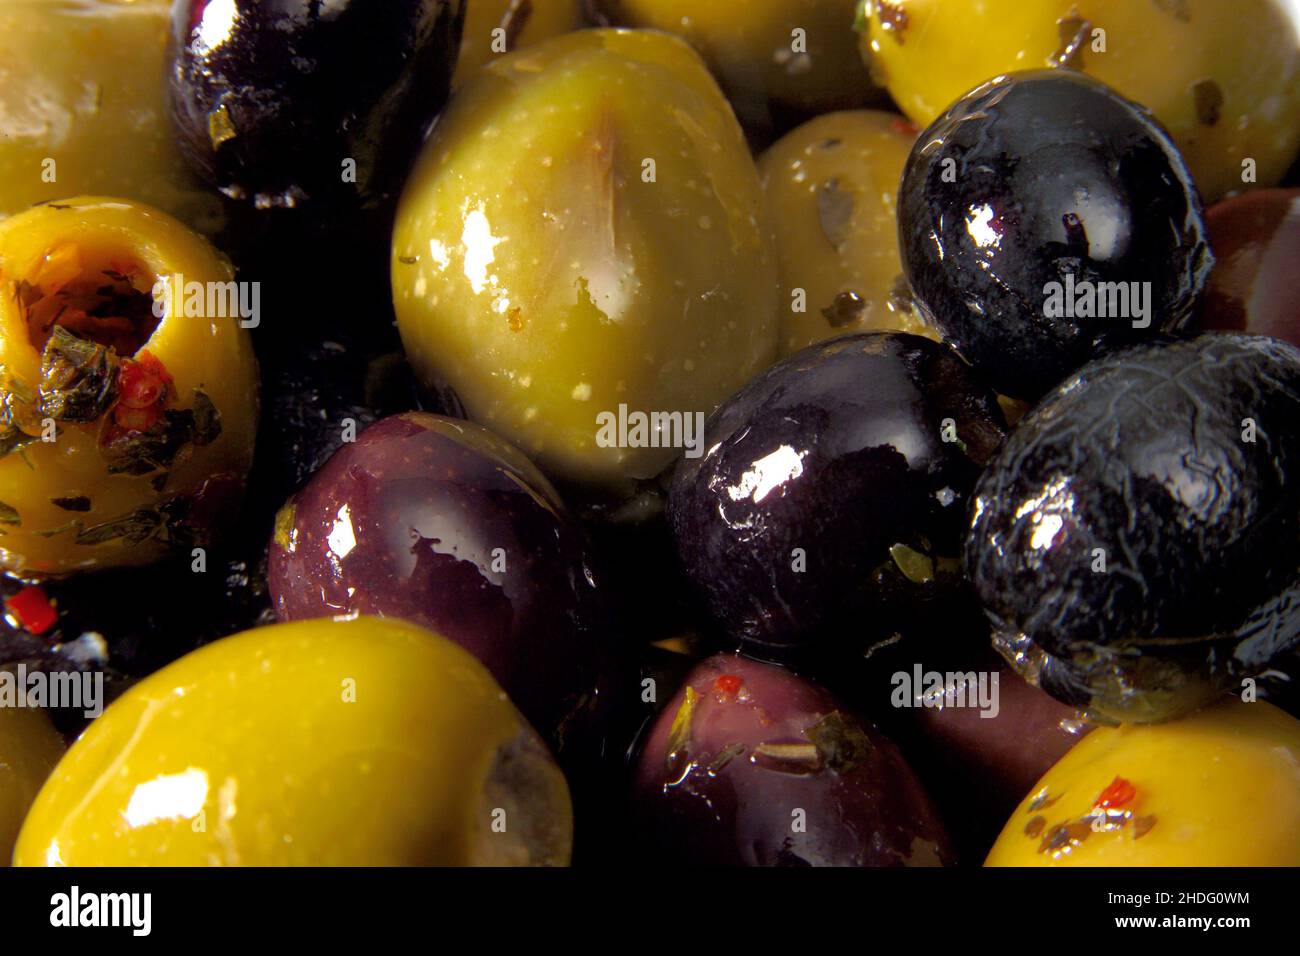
(1136, 541)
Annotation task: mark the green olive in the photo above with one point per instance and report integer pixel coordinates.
(320, 743)
(29, 749)
(769, 55)
(585, 229)
(493, 27)
(82, 108)
(832, 187)
(128, 404)
(1223, 78)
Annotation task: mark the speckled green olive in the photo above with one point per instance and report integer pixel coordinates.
(494, 27)
(29, 749)
(832, 189)
(128, 387)
(81, 108)
(1223, 78)
(321, 743)
(585, 230)
(769, 55)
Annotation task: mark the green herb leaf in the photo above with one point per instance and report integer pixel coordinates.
(207, 420)
(134, 528)
(72, 503)
(841, 742)
(834, 212)
(9, 515)
(78, 378)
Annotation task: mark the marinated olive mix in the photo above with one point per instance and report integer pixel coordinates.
(29, 749)
(585, 230)
(830, 505)
(1223, 78)
(396, 748)
(1043, 215)
(832, 188)
(1135, 542)
(440, 522)
(1255, 285)
(750, 765)
(277, 103)
(1218, 788)
(82, 111)
(773, 57)
(493, 27)
(128, 402)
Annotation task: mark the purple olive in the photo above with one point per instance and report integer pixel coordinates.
(751, 765)
(1255, 286)
(442, 523)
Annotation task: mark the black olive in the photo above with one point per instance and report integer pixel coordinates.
(271, 100)
(831, 498)
(1136, 542)
(1025, 196)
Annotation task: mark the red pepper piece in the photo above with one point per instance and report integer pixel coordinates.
(728, 685)
(32, 609)
(1116, 794)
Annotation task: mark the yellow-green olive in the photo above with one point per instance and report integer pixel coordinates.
(585, 230)
(128, 387)
(1223, 78)
(832, 187)
(493, 27)
(320, 743)
(82, 108)
(1218, 788)
(29, 749)
(796, 55)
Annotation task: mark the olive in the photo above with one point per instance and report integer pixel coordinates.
(832, 192)
(775, 58)
(82, 111)
(1218, 788)
(1043, 215)
(830, 505)
(1223, 78)
(493, 27)
(614, 257)
(278, 104)
(128, 401)
(751, 765)
(1135, 542)
(440, 522)
(29, 749)
(1254, 286)
(320, 743)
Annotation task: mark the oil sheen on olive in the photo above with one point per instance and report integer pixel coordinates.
(440, 522)
(1220, 787)
(830, 503)
(82, 111)
(129, 405)
(746, 751)
(287, 102)
(1136, 541)
(1222, 77)
(357, 742)
(585, 230)
(1022, 200)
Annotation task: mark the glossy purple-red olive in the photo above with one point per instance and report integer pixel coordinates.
(751, 765)
(1044, 216)
(283, 103)
(1255, 285)
(442, 523)
(829, 509)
